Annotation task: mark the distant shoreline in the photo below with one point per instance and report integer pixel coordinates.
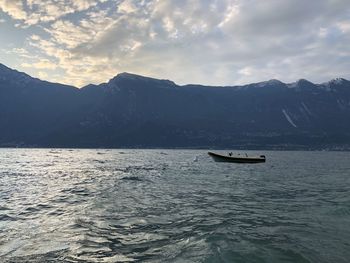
(236, 148)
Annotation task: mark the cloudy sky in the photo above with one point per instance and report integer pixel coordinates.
(215, 42)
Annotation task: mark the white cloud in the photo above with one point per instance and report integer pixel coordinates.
(41, 64)
(32, 12)
(13, 8)
(70, 35)
(42, 75)
(204, 41)
(246, 71)
(323, 32)
(344, 26)
(127, 6)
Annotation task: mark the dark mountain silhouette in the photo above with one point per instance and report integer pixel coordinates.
(136, 111)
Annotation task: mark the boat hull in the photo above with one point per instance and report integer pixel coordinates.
(235, 159)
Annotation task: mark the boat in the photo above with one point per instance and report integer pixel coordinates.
(237, 158)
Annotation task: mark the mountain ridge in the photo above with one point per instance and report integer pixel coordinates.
(132, 111)
(133, 76)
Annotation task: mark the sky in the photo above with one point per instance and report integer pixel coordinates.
(211, 42)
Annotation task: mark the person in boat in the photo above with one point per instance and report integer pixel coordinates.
(230, 154)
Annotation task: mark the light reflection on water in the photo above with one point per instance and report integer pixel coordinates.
(64, 205)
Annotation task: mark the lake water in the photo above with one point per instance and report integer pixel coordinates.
(59, 205)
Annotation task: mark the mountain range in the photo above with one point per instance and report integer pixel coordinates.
(132, 111)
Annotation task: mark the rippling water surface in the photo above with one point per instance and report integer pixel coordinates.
(59, 205)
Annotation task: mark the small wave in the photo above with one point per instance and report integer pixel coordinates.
(341, 211)
(52, 253)
(132, 178)
(106, 259)
(32, 209)
(44, 206)
(99, 161)
(130, 169)
(81, 192)
(57, 212)
(5, 217)
(53, 151)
